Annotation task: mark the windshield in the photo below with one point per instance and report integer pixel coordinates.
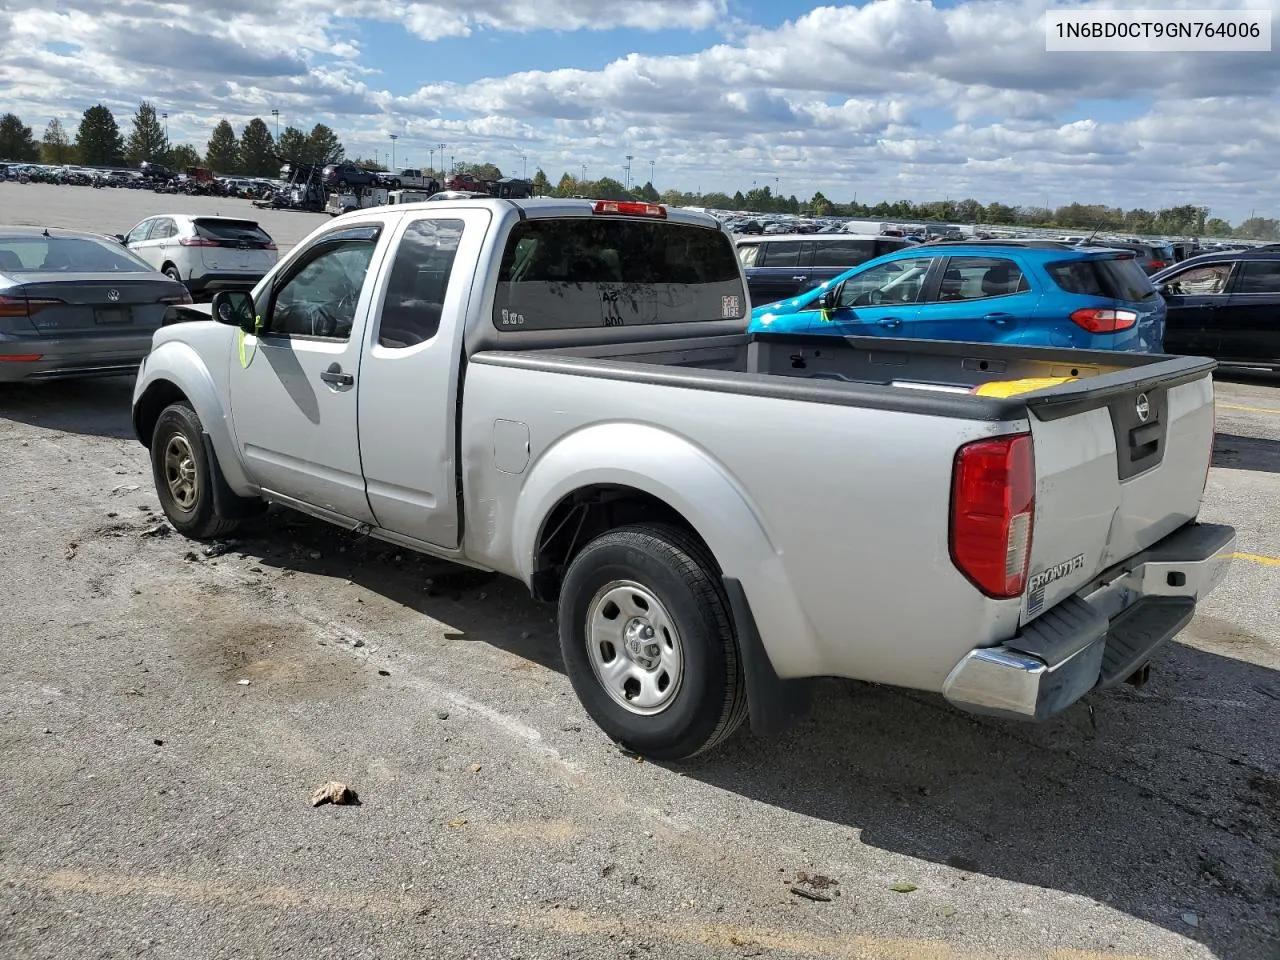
(40, 254)
(593, 272)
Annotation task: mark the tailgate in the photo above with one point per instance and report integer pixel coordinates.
(1121, 462)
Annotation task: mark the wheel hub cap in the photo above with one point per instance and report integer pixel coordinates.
(634, 648)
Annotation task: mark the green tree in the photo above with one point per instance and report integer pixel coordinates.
(819, 206)
(16, 139)
(649, 193)
(715, 200)
(1140, 221)
(607, 188)
(294, 146)
(55, 146)
(182, 156)
(481, 171)
(1000, 214)
(567, 187)
(737, 201)
(970, 211)
(147, 141)
(98, 139)
(1217, 227)
(541, 185)
(257, 150)
(1259, 228)
(223, 149)
(323, 146)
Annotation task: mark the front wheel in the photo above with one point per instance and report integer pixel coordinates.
(183, 475)
(648, 642)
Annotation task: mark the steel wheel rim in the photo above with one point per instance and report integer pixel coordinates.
(634, 647)
(180, 472)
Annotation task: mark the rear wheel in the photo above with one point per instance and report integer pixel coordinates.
(183, 475)
(648, 642)
(171, 272)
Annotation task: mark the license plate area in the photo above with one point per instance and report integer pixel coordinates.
(112, 316)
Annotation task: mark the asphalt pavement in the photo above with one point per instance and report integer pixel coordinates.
(166, 714)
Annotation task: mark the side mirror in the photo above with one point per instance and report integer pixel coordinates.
(1162, 289)
(827, 301)
(234, 308)
(120, 237)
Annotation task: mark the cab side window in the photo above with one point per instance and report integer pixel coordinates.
(320, 296)
(1259, 276)
(418, 283)
(1200, 281)
(139, 233)
(163, 229)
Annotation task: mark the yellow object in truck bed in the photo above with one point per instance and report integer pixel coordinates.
(1011, 388)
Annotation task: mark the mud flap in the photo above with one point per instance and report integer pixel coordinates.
(226, 502)
(773, 704)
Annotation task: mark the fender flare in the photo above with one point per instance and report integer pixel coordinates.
(690, 481)
(175, 365)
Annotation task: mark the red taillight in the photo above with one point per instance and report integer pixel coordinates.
(1156, 264)
(20, 357)
(1104, 320)
(993, 497)
(23, 307)
(196, 242)
(177, 298)
(631, 208)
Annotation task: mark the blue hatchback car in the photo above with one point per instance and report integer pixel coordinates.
(1038, 293)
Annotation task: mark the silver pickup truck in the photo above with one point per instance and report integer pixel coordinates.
(563, 391)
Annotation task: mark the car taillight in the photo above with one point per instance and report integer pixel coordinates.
(993, 497)
(1103, 320)
(631, 208)
(269, 246)
(23, 306)
(177, 298)
(1156, 264)
(196, 242)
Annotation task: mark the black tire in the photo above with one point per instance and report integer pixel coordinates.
(179, 432)
(172, 273)
(710, 701)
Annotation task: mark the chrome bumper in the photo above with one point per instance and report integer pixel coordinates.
(1100, 636)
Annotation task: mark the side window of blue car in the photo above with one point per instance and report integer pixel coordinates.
(979, 278)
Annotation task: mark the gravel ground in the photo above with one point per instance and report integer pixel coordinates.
(156, 803)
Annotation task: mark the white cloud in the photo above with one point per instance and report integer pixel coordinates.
(889, 96)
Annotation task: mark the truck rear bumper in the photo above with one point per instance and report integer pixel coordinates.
(1100, 636)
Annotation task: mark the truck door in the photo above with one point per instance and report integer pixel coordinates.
(293, 387)
(409, 375)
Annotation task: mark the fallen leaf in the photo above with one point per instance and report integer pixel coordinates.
(457, 822)
(903, 886)
(336, 792)
(475, 768)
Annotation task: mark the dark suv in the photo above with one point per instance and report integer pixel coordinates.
(779, 266)
(1152, 255)
(1225, 305)
(349, 175)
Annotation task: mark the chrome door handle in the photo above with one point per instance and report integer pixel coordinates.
(891, 323)
(800, 279)
(999, 318)
(335, 376)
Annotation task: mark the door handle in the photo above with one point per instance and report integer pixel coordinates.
(999, 318)
(335, 376)
(890, 323)
(800, 278)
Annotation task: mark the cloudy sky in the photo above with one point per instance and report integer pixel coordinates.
(891, 99)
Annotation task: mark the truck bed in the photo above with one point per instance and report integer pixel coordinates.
(911, 376)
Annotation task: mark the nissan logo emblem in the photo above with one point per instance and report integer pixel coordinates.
(113, 295)
(1142, 408)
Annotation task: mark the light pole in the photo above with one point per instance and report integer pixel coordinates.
(651, 163)
(165, 117)
(441, 146)
(584, 173)
(431, 157)
(394, 138)
(628, 169)
(276, 114)
(524, 166)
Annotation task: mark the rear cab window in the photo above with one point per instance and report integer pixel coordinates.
(1116, 278)
(580, 272)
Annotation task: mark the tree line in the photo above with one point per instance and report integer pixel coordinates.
(98, 141)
